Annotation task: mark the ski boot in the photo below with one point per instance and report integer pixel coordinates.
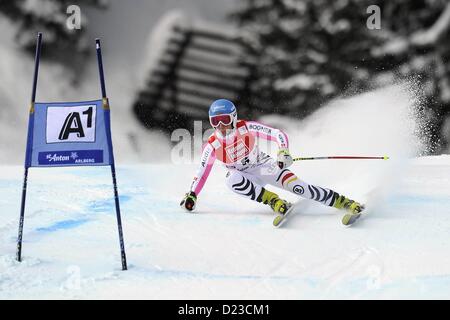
(352, 207)
(279, 205)
(273, 200)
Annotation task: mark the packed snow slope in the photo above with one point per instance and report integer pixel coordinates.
(228, 248)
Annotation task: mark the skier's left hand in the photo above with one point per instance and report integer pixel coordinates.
(189, 201)
(284, 158)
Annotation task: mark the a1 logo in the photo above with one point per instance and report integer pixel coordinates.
(71, 124)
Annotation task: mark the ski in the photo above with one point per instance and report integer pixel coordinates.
(349, 218)
(281, 218)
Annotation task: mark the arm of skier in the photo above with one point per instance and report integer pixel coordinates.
(273, 134)
(268, 133)
(206, 163)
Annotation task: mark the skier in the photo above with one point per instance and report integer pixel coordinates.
(250, 170)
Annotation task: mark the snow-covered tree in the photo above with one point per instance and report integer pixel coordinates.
(313, 50)
(49, 17)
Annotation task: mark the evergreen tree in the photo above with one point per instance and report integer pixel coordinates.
(49, 17)
(313, 50)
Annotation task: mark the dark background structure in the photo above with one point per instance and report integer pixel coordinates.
(196, 66)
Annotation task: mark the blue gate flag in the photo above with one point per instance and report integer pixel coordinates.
(69, 134)
(62, 134)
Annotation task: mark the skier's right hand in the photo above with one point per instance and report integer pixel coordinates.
(189, 201)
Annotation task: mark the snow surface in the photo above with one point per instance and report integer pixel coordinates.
(228, 249)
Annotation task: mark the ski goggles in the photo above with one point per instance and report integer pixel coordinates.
(226, 119)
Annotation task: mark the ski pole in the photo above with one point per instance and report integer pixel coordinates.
(341, 157)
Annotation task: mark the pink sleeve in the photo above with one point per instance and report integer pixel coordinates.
(268, 133)
(207, 161)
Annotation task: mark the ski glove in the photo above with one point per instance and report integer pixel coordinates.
(189, 201)
(284, 158)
